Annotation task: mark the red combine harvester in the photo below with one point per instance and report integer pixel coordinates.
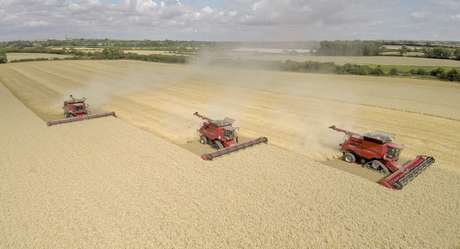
(77, 110)
(377, 151)
(222, 135)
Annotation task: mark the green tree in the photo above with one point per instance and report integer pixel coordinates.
(112, 53)
(438, 53)
(437, 72)
(377, 71)
(350, 48)
(452, 75)
(3, 58)
(457, 53)
(421, 71)
(404, 49)
(356, 69)
(393, 71)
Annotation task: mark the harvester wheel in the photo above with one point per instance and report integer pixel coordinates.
(219, 144)
(398, 186)
(203, 140)
(384, 170)
(349, 157)
(377, 165)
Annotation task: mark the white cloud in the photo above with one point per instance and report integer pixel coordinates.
(456, 17)
(233, 13)
(143, 5)
(207, 10)
(419, 15)
(73, 6)
(36, 23)
(258, 5)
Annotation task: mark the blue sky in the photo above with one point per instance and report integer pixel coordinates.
(243, 20)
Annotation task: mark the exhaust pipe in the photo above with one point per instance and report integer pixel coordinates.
(80, 118)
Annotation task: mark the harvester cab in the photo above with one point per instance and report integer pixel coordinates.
(378, 152)
(223, 136)
(393, 152)
(77, 110)
(75, 107)
(230, 132)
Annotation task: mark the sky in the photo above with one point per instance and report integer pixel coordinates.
(239, 20)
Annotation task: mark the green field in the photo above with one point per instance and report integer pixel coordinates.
(360, 60)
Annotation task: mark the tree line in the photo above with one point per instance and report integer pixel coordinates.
(442, 53)
(375, 48)
(119, 54)
(332, 68)
(452, 74)
(110, 54)
(350, 48)
(170, 45)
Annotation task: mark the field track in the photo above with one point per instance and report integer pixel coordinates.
(129, 182)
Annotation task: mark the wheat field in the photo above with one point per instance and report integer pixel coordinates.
(135, 182)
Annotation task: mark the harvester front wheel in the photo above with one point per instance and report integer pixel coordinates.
(219, 144)
(384, 170)
(203, 140)
(349, 157)
(378, 166)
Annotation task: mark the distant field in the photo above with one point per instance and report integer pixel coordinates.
(89, 50)
(23, 56)
(340, 60)
(81, 49)
(152, 52)
(395, 53)
(399, 47)
(407, 69)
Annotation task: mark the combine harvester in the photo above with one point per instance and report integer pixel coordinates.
(222, 135)
(77, 110)
(377, 151)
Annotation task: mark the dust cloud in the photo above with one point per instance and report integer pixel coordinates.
(100, 90)
(263, 103)
(312, 135)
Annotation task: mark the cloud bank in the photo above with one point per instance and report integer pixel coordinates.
(253, 20)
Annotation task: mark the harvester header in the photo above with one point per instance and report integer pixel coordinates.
(77, 110)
